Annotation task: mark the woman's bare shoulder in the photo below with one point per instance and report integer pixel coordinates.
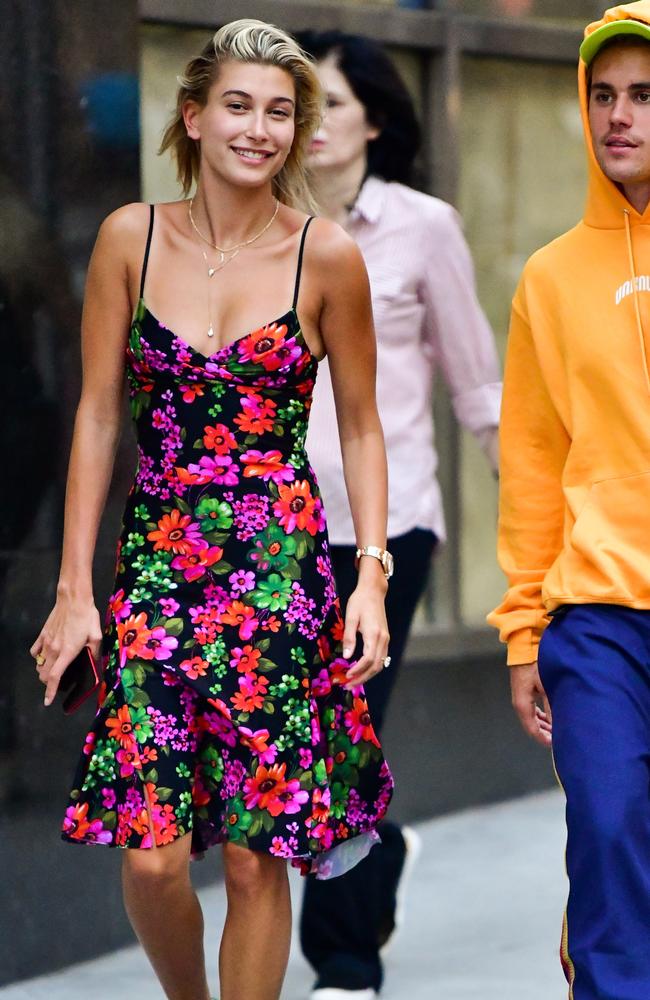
(330, 246)
(127, 222)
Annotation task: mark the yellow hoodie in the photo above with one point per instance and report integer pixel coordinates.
(574, 517)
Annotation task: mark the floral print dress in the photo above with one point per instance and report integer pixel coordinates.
(222, 710)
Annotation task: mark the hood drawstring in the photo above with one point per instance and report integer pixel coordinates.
(635, 294)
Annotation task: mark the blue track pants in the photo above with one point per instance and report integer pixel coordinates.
(594, 663)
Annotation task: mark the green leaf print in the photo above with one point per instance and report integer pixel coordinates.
(173, 626)
(109, 820)
(151, 777)
(164, 794)
(139, 698)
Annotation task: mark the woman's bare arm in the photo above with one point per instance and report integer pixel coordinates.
(74, 620)
(347, 330)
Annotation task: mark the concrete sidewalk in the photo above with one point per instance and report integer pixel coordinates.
(483, 919)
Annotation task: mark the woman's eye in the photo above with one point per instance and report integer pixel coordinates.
(279, 113)
(237, 106)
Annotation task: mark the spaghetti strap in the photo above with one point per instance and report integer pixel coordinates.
(300, 256)
(146, 252)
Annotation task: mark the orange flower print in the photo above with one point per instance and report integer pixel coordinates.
(263, 791)
(251, 694)
(76, 823)
(245, 659)
(196, 563)
(219, 439)
(195, 667)
(120, 728)
(177, 533)
(267, 465)
(256, 417)
(190, 392)
(242, 615)
(358, 723)
(295, 508)
(264, 346)
(132, 637)
(164, 823)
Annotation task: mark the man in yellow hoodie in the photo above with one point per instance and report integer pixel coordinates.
(574, 534)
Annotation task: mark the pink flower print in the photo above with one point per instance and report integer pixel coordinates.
(258, 742)
(128, 761)
(89, 744)
(306, 757)
(198, 562)
(293, 796)
(221, 470)
(279, 848)
(241, 581)
(321, 684)
(267, 465)
(97, 834)
(168, 606)
(108, 798)
(159, 645)
(118, 606)
(219, 725)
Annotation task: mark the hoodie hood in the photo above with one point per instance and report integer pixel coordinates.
(607, 207)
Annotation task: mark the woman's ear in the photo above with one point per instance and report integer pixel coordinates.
(191, 118)
(372, 132)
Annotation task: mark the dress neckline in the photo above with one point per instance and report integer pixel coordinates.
(227, 348)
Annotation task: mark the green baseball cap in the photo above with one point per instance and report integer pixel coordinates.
(594, 42)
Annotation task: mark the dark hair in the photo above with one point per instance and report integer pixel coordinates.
(377, 84)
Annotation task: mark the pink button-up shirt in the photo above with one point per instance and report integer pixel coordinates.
(427, 316)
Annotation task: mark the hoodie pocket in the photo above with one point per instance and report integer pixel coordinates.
(612, 536)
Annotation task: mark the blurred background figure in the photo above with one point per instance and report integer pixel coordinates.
(427, 319)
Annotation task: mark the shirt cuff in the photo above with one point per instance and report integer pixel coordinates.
(523, 647)
(478, 408)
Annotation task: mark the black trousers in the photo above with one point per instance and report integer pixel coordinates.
(343, 919)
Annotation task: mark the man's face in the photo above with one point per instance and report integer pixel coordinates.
(619, 113)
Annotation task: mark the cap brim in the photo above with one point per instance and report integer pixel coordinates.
(594, 42)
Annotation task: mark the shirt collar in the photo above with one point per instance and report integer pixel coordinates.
(370, 200)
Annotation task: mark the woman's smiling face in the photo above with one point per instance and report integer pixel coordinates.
(247, 126)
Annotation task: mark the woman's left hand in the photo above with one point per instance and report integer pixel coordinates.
(366, 614)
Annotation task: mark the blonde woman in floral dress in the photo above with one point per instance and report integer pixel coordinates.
(230, 711)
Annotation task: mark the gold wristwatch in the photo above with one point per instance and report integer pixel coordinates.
(384, 556)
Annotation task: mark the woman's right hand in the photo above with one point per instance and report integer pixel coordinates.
(71, 625)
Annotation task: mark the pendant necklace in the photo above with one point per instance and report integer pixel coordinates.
(226, 254)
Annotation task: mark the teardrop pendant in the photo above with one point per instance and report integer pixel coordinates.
(210, 331)
(211, 271)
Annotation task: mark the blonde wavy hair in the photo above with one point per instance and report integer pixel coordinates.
(250, 41)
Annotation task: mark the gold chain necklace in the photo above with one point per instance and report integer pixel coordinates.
(236, 247)
(224, 252)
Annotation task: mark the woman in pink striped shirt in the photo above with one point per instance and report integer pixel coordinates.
(427, 318)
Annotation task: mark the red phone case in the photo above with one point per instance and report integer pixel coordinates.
(80, 678)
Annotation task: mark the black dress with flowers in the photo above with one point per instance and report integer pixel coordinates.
(222, 710)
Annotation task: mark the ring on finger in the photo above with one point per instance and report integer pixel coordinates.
(40, 659)
(386, 662)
